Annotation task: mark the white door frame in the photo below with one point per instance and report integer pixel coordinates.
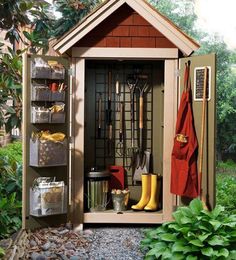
(170, 57)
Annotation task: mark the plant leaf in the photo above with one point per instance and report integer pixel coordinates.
(217, 210)
(223, 252)
(218, 241)
(186, 220)
(215, 223)
(181, 247)
(191, 257)
(168, 237)
(156, 252)
(232, 254)
(204, 236)
(207, 251)
(177, 256)
(196, 242)
(2, 252)
(178, 216)
(196, 206)
(186, 211)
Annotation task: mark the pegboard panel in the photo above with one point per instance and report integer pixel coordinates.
(97, 92)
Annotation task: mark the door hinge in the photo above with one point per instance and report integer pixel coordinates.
(177, 73)
(71, 139)
(71, 72)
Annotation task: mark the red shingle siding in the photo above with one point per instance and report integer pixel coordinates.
(125, 28)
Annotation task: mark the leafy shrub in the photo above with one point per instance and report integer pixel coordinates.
(10, 217)
(229, 164)
(10, 196)
(225, 191)
(194, 234)
(13, 151)
(2, 252)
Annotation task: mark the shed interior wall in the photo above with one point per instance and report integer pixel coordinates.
(96, 84)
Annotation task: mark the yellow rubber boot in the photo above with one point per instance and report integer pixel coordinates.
(155, 193)
(146, 192)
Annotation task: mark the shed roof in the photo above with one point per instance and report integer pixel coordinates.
(183, 42)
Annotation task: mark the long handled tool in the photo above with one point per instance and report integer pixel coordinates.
(99, 115)
(204, 101)
(117, 93)
(120, 145)
(143, 157)
(132, 83)
(108, 114)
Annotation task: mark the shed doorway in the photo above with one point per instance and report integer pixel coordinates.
(96, 145)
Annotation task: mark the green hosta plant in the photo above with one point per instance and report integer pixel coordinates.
(195, 233)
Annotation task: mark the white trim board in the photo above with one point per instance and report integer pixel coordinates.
(184, 43)
(125, 53)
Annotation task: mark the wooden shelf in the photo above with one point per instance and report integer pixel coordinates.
(129, 216)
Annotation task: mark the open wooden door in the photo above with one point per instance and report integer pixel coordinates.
(46, 106)
(197, 77)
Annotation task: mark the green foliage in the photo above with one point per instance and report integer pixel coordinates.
(10, 88)
(15, 13)
(72, 11)
(2, 252)
(194, 234)
(13, 151)
(226, 185)
(181, 12)
(228, 165)
(10, 220)
(10, 196)
(225, 191)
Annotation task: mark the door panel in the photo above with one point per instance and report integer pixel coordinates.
(32, 172)
(208, 178)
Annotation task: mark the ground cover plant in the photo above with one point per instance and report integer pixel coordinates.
(226, 185)
(13, 151)
(195, 233)
(10, 196)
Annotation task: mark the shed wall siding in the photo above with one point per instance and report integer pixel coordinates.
(125, 29)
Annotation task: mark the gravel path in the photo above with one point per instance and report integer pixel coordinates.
(93, 244)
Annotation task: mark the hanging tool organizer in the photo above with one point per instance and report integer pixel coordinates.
(46, 139)
(109, 116)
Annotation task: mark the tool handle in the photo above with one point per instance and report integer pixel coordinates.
(203, 121)
(99, 112)
(121, 122)
(141, 112)
(121, 116)
(109, 85)
(110, 132)
(117, 87)
(202, 132)
(109, 141)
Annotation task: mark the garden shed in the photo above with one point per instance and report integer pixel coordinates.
(118, 39)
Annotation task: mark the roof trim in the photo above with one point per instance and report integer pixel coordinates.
(156, 19)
